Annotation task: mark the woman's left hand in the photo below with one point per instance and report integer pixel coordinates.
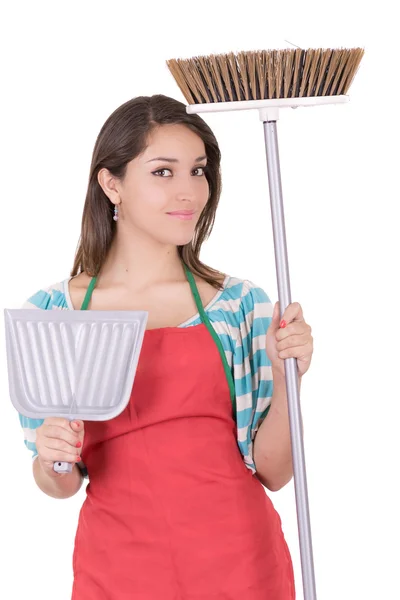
(292, 340)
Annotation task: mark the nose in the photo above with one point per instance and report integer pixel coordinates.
(186, 189)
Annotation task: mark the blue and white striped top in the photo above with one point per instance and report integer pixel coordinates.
(240, 313)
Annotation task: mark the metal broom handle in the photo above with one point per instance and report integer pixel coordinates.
(291, 375)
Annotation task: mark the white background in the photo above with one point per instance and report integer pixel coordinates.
(64, 69)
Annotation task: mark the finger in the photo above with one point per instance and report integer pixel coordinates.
(78, 427)
(292, 341)
(295, 352)
(295, 328)
(293, 312)
(57, 432)
(59, 421)
(58, 444)
(58, 454)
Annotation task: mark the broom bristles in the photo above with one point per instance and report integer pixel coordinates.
(266, 74)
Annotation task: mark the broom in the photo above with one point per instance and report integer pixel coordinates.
(268, 80)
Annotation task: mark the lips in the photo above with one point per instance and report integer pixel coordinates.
(177, 213)
(182, 215)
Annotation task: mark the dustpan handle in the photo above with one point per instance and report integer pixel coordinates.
(291, 374)
(63, 467)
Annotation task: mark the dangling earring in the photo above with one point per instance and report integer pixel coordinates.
(115, 217)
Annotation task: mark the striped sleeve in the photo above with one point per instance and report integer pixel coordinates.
(40, 300)
(252, 367)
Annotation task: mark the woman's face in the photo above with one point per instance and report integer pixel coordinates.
(169, 177)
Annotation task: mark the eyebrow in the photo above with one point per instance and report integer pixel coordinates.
(173, 160)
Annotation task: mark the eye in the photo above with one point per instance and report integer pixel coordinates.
(160, 171)
(204, 169)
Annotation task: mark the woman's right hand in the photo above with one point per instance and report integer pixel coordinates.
(56, 441)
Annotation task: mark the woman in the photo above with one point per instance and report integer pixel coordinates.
(175, 506)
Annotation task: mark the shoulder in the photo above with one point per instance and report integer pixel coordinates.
(76, 288)
(53, 296)
(244, 295)
(241, 308)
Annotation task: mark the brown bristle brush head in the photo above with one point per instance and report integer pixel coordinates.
(266, 74)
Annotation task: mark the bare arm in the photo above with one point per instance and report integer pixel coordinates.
(272, 444)
(62, 485)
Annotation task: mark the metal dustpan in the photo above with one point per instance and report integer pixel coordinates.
(73, 364)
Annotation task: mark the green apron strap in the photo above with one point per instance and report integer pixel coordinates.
(88, 295)
(215, 336)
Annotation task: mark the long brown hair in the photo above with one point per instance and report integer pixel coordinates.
(121, 139)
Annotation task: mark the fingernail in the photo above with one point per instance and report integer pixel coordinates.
(282, 323)
(78, 459)
(78, 444)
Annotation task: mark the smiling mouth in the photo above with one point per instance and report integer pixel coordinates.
(184, 215)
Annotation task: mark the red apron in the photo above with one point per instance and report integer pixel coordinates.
(172, 512)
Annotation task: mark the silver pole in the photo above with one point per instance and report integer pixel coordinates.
(292, 383)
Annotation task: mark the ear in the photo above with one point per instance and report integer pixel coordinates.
(108, 184)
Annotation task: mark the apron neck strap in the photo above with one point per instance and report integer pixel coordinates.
(88, 294)
(216, 338)
(195, 293)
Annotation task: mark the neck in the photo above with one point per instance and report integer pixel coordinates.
(137, 262)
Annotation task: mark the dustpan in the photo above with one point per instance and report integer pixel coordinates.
(72, 364)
